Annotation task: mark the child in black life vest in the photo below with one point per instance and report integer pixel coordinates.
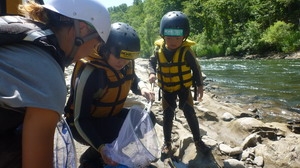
(177, 68)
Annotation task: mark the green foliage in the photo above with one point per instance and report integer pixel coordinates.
(282, 36)
(202, 49)
(193, 9)
(118, 14)
(246, 39)
(220, 27)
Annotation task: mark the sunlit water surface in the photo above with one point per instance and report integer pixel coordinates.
(274, 83)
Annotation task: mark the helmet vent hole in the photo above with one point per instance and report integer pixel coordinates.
(74, 13)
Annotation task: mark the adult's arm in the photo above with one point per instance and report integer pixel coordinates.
(37, 139)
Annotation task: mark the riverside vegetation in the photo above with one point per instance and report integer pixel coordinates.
(219, 27)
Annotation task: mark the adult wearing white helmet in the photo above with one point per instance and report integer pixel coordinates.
(33, 53)
(91, 12)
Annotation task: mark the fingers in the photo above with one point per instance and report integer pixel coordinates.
(108, 161)
(200, 93)
(149, 95)
(200, 98)
(152, 97)
(152, 78)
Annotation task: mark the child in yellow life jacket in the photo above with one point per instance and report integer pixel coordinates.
(177, 68)
(99, 87)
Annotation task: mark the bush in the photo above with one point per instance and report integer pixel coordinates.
(205, 48)
(282, 36)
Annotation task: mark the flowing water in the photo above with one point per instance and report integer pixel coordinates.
(274, 83)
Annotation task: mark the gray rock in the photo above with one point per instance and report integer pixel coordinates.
(229, 150)
(245, 154)
(227, 116)
(259, 161)
(250, 141)
(233, 163)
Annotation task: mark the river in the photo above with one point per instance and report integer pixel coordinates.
(274, 83)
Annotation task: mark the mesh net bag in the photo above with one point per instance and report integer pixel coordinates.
(137, 143)
(64, 148)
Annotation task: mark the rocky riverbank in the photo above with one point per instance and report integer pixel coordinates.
(237, 136)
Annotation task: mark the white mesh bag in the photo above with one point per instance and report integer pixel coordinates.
(64, 149)
(137, 143)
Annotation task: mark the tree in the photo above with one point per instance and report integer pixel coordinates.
(220, 27)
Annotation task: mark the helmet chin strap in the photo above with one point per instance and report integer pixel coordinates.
(78, 42)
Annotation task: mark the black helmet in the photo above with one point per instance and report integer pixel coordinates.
(123, 42)
(174, 23)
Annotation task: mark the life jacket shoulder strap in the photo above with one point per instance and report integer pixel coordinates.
(16, 29)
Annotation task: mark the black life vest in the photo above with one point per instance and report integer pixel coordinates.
(18, 29)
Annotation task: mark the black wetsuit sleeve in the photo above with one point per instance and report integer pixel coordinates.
(152, 64)
(195, 67)
(134, 87)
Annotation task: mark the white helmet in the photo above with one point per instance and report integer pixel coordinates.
(90, 11)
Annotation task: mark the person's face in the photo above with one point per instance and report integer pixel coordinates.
(84, 49)
(117, 63)
(173, 43)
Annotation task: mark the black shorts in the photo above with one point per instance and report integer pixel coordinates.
(10, 138)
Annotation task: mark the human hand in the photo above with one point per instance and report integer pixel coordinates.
(149, 95)
(152, 78)
(106, 159)
(200, 93)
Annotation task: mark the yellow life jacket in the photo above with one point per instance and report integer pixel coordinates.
(175, 74)
(110, 100)
(9, 7)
